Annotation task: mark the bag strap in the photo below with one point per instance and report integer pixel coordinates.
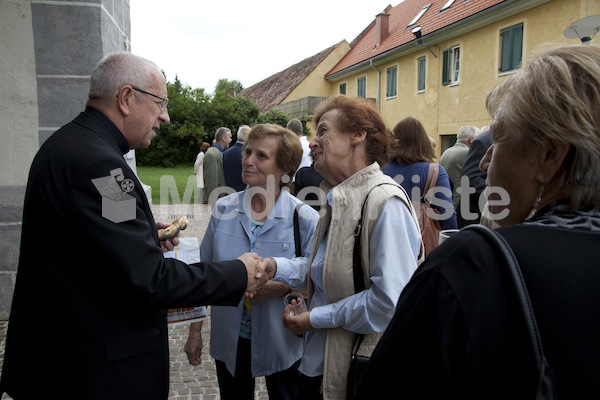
(359, 276)
(297, 232)
(545, 389)
(432, 177)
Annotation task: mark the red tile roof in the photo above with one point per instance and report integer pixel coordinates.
(272, 91)
(364, 46)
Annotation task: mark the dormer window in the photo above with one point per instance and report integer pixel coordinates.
(419, 15)
(447, 5)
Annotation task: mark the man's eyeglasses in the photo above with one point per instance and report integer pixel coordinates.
(164, 103)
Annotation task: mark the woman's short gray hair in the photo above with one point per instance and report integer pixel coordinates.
(116, 70)
(555, 99)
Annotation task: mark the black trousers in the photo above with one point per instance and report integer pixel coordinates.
(311, 388)
(281, 385)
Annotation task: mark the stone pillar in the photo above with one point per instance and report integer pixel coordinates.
(70, 38)
(49, 49)
(11, 212)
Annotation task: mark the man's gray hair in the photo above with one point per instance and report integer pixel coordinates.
(295, 126)
(466, 132)
(116, 70)
(243, 132)
(221, 133)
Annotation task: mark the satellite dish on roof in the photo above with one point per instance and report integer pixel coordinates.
(584, 29)
(416, 31)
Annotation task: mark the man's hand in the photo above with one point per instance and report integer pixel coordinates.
(271, 289)
(256, 273)
(193, 346)
(269, 266)
(169, 244)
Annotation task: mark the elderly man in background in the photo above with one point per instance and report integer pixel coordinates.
(214, 175)
(92, 288)
(232, 161)
(454, 157)
(295, 125)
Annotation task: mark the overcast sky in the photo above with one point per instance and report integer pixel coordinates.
(202, 41)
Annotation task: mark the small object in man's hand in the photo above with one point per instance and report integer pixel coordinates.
(172, 230)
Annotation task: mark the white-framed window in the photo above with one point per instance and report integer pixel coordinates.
(455, 70)
(451, 66)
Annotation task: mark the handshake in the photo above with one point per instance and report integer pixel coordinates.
(259, 269)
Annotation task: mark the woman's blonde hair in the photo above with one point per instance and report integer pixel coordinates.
(555, 99)
(289, 152)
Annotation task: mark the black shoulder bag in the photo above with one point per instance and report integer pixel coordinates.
(545, 387)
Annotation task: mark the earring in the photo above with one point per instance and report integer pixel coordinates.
(535, 205)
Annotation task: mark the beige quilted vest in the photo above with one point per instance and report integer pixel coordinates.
(341, 219)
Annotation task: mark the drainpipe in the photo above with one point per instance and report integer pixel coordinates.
(378, 82)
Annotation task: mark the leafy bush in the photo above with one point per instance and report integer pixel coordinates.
(195, 117)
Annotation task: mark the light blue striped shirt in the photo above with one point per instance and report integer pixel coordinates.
(394, 249)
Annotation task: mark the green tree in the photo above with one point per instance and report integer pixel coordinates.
(177, 142)
(273, 117)
(230, 112)
(195, 117)
(225, 86)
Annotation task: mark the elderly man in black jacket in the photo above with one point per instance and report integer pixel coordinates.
(91, 257)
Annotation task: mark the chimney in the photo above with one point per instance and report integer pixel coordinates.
(382, 27)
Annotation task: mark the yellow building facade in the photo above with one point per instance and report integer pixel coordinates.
(444, 104)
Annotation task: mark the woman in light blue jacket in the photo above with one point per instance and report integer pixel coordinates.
(250, 340)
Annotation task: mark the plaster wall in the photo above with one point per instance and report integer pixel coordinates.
(315, 84)
(18, 90)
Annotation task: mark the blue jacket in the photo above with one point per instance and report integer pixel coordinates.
(406, 174)
(274, 348)
(232, 166)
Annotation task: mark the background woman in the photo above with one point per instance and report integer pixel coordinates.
(410, 165)
(249, 340)
(351, 143)
(457, 332)
(198, 170)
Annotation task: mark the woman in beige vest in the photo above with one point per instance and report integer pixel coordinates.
(351, 143)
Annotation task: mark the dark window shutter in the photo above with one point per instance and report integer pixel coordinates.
(446, 67)
(512, 48)
(506, 50)
(391, 81)
(517, 46)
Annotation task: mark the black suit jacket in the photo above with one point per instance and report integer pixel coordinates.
(458, 332)
(309, 177)
(232, 167)
(476, 179)
(88, 317)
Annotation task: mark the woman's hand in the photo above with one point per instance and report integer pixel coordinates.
(271, 289)
(193, 346)
(299, 324)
